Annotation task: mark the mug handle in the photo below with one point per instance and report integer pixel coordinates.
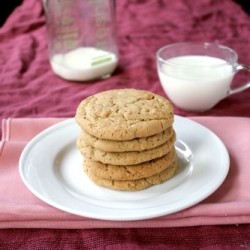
(243, 87)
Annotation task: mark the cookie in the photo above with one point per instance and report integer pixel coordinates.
(126, 158)
(135, 185)
(138, 144)
(130, 172)
(124, 114)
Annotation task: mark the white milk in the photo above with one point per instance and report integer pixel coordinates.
(195, 82)
(84, 64)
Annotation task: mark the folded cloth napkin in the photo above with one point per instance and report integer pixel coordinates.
(229, 204)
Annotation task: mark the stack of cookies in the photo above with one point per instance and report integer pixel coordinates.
(127, 139)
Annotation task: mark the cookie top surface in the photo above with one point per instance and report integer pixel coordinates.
(124, 114)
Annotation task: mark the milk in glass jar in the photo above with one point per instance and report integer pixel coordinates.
(82, 38)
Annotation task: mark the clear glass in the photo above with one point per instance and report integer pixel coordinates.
(196, 76)
(82, 38)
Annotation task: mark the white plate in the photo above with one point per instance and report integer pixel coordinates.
(50, 166)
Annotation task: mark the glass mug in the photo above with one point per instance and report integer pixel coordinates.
(196, 76)
(81, 38)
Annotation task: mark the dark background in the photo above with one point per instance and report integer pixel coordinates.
(6, 7)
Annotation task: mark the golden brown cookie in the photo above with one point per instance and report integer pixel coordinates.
(124, 114)
(135, 185)
(130, 172)
(138, 144)
(126, 158)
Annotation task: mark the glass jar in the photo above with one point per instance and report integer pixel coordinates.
(82, 38)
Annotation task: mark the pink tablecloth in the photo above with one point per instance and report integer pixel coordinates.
(229, 204)
(29, 89)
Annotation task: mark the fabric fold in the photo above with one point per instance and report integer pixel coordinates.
(229, 204)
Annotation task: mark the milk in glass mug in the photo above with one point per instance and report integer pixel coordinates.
(196, 76)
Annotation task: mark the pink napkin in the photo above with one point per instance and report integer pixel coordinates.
(229, 204)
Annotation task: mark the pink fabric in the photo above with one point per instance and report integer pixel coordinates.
(229, 204)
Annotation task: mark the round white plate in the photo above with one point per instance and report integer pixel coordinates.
(51, 167)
